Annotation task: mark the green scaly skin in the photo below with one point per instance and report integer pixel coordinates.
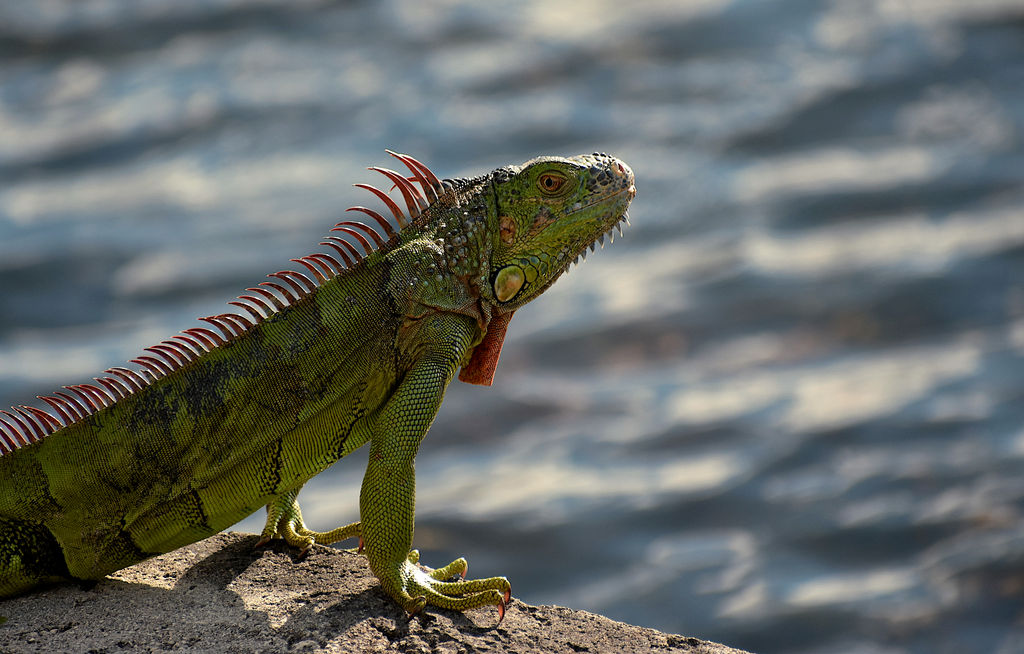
(366, 357)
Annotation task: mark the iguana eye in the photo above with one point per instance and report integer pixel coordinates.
(550, 182)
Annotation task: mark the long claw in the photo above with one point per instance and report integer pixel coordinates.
(501, 611)
(420, 602)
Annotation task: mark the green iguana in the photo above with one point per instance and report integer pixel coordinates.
(360, 347)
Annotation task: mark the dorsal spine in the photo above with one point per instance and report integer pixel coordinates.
(24, 424)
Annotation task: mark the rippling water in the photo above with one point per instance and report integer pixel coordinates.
(785, 412)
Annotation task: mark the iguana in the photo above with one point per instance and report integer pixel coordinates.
(360, 347)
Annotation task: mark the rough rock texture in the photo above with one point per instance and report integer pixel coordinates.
(221, 595)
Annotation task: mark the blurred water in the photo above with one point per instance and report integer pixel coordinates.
(785, 412)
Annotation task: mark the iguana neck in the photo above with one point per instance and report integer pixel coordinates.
(460, 227)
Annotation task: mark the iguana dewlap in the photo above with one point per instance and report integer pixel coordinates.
(357, 346)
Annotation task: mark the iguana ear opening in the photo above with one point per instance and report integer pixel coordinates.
(484, 360)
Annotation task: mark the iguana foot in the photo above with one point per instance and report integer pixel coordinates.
(284, 519)
(414, 586)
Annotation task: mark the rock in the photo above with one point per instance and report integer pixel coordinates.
(221, 595)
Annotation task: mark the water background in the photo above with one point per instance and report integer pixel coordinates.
(785, 412)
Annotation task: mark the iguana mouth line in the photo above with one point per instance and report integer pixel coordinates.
(593, 243)
(575, 209)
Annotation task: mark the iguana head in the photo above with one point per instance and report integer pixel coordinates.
(547, 212)
(541, 217)
(501, 238)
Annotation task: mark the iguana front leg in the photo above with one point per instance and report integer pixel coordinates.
(388, 496)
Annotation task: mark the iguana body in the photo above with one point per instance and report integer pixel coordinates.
(220, 422)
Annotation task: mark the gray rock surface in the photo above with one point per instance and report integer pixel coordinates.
(221, 595)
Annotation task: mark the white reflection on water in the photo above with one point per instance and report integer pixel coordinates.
(911, 243)
(859, 587)
(721, 561)
(552, 488)
(182, 182)
(834, 169)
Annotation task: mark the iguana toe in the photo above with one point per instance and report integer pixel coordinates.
(456, 568)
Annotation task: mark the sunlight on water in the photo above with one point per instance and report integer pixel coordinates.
(833, 170)
(824, 395)
(914, 242)
(852, 392)
(39, 363)
(556, 487)
(183, 182)
(841, 589)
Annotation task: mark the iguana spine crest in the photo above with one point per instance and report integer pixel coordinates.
(25, 424)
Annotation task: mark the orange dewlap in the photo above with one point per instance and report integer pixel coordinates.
(481, 366)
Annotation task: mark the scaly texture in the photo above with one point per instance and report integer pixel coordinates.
(219, 422)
